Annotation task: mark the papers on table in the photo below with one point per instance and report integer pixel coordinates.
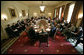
(48, 23)
(47, 29)
(40, 31)
(36, 27)
(81, 38)
(36, 30)
(15, 30)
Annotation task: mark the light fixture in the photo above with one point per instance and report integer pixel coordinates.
(49, 14)
(4, 17)
(35, 14)
(80, 16)
(42, 7)
(26, 14)
(20, 14)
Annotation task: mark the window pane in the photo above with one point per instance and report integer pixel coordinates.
(60, 12)
(55, 12)
(71, 7)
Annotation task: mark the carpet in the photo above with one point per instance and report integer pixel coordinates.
(57, 46)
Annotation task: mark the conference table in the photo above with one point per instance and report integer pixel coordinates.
(42, 24)
(43, 31)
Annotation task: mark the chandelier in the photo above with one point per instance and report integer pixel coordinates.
(42, 7)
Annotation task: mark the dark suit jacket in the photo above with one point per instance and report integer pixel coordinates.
(31, 33)
(13, 27)
(9, 30)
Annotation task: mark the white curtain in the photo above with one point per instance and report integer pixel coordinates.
(71, 7)
(60, 12)
(55, 12)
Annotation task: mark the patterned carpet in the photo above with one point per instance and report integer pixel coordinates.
(57, 46)
(7, 44)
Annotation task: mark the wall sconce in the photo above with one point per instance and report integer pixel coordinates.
(20, 14)
(80, 16)
(35, 14)
(4, 17)
(49, 14)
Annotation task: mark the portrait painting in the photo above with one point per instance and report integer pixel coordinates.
(23, 12)
(12, 12)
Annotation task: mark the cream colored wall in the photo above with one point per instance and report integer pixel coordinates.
(34, 9)
(48, 9)
(18, 9)
(4, 10)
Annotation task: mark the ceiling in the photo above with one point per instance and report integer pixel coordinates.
(38, 3)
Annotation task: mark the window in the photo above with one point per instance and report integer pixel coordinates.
(60, 12)
(71, 7)
(55, 13)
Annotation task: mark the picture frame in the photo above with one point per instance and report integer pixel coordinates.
(23, 13)
(12, 12)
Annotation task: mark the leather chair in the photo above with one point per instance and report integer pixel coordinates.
(43, 38)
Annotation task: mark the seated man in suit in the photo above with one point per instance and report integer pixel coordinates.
(48, 20)
(74, 33)
(66, 32)
(10, 31)
(43, 36)
(21, 25)
(61, 27)
(19, 29)
(79, 40)
(15, 30)
(31, 34)
(52, 32)
(72, 28)
(65, 23)
(79, 36)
